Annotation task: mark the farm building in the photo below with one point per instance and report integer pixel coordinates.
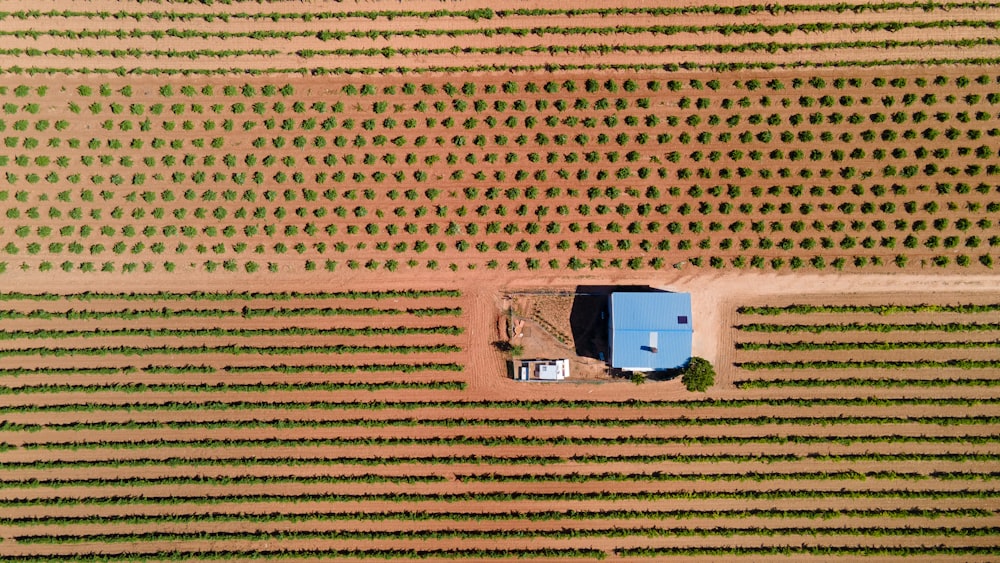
(650, 331)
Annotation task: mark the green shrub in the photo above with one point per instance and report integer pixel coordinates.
(698, 374)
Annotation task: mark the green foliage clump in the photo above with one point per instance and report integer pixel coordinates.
(698, 374)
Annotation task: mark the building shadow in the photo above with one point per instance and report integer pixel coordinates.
(589, 317)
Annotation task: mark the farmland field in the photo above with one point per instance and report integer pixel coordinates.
(252, 256)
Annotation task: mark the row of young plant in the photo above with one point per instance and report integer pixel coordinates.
(129, 388)
(870, 364)
(799, 247)
(488, 497)
(580, 110)
(591, 86)
(597, 422)
(326, 478)
(231, 349)
(869, 383)
(478, 14)
(804, 309)
(497, 441)
(790, 457)
(389, 52)
(754, 476)
(243, 313)
(770, 328)
(534, 405)
(518, 32)
(206, 369)
(500, 31)
(721, 235)
(282, 554)
(247, 462)
(474, 194)
(50, 334)
(726, 30)
(315, 71)
(215, 480)
(506, 533)
(574, 263)
(376, 295)
(700, 171)
(886, 345)
(640, 203)
(322, 516)
(329, 368)
(501, 13)
(770, 47)
(220, 459)
(468, 89)
(800, 549)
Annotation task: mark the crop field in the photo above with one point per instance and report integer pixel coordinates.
(842, 172)
(817, 337)
(123, 440)
(254, 257)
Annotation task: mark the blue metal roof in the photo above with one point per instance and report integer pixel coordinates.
(643, 321)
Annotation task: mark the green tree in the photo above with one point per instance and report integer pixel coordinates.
(698, 374)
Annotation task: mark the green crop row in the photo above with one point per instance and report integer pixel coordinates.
(657, 476)
(281, 461)
(491, 497)
(488, 14)
(425, 534)
(376, 405)
(234, 349)
(774, 458)
(139, 53)
(203, 369)
(868, 327)
(312, 368)
(340, 35)
(803, 309)
(244, 313)
(603, 49)
(887, 345)
(218, 460)
(499, 516)
(270, 387)
(849, 551)
(48, 334)
(229, 295)
(871, 364)
(219, 480)
(870, 383)
(19, 372)
(497, 441)
(270, 423)
(504, 68)
(754, 476)
(276, 554)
